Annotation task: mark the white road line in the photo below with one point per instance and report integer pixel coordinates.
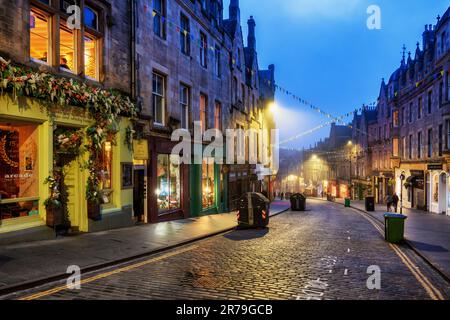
(346, 272)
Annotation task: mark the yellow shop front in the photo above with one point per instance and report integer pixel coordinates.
(27, 136)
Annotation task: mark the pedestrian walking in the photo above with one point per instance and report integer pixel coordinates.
(395, 201)
(389, 202)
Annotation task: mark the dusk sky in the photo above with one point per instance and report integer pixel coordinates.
(324, 52)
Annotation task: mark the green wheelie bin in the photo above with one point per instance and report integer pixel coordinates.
(394, 227)
(347, 202)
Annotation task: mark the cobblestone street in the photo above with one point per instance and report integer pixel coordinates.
(323, 253)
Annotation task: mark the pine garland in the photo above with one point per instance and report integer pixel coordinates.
(104, 106)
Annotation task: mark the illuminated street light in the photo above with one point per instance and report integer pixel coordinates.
(273, 107)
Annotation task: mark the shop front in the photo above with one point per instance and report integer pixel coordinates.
(168, 188)
(31, 151)
(414, 191)
(437, 189)
(239, 178)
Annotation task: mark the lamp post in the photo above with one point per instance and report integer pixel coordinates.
(402, 178)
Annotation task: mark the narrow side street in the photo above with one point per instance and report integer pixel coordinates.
(323, 253)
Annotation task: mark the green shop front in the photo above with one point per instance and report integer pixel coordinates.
(208, 188)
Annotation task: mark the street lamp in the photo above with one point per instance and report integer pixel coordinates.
(402, 178)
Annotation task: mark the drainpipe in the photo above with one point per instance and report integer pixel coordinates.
(133, 49)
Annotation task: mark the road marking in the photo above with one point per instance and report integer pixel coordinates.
(348, 250)
(110, 273)
(431, 290)
(346, 272)
(349, 238)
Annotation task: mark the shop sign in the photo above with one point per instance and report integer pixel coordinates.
(433, 167)
(140, 149)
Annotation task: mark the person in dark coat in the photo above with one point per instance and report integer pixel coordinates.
(395, 201)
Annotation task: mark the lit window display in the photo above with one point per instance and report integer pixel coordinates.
(39, 36)
(208, 194)
(106, 174)
(168, 190)
(19, 175)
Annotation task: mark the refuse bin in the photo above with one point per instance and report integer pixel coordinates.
(347, 202)
(394, 227)
(254, 210)
(370, 204)
(298, 202)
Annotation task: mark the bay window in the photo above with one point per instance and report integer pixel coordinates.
(208, 178)
(68, 51)
(168, 184)
(19, 170)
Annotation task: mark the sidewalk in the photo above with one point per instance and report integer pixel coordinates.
(427, 233)
(35, 262)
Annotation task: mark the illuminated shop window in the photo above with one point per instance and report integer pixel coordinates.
(208, 194)
(67, 54)
(90, 57)
(106, 174)
(19, 175)
(168, 183)
(39, 36)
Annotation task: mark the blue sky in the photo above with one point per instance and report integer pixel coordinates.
(324, 52)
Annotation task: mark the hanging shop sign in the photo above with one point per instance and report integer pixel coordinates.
(433, 167)
(140, 149)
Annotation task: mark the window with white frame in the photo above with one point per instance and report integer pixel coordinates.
(203, 50)
(185, 43)
(184, 106)
(217, 62)
(159, 16)
(159, 98)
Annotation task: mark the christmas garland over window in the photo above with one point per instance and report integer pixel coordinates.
(104, 106)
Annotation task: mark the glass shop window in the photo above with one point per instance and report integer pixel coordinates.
(208, 194)
(19, 170)
(67, 54)
(168, 189)
(39, 36)
(107, 159)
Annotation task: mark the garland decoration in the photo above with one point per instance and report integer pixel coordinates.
(105, 106)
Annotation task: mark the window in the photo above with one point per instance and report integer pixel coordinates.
(410, 155)
(39, 36)
(185, 42)
(441, 94)
(203, 112)
(419, 109)
(235, 90)
(90, 18)
(419, 145)
(443, 36)
(441, 140)
(430, 101)
(217, 62)
(91, 65)
(395, 119)
(203, 50)
(69, 41)
(218, 116)
(448, 134)
(184, 106)
(411, 112)
(404, 148)
(430, 143)
(243, 95)
(106, 173)
(208, 178)
(19, 170)
(159, 98)
(403, 116)
(159, 25)
(168, 184)
(67, 55)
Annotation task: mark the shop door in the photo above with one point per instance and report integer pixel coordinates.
(75, 203)
(139, 195)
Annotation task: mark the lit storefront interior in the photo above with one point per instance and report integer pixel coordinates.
(208, 188)
(19, 170)
(168, 189)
